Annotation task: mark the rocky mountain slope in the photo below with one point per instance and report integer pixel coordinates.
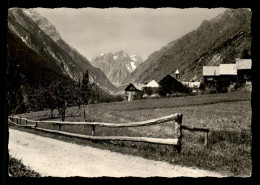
(41, 36)
(219, 40)
(27, 71)
(117, 66)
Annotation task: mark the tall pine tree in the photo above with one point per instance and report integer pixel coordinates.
(85, 91)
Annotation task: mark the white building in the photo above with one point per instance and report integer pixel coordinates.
(152, 83)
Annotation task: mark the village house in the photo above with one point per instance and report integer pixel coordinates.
(133, 90)
(244, 68)
(152, 84)
(170, 85)
(228, 72)
(151, 89)
(210, 75)
(231, 72)
(193, 85)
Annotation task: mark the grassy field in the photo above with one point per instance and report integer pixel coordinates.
(228, 115)
(18, 169)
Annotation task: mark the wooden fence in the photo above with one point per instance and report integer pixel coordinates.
(176, 119)
(199, 129)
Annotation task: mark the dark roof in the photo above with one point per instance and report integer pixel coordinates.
(136, 87)
(170, 84)
(168, 76)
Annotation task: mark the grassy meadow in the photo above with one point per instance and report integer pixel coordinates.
(228, 115)
(18, 169)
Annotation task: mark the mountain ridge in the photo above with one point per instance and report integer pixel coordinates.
(215, 41)
(117, 66)
(33, 29)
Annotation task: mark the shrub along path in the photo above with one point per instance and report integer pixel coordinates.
(51, 157)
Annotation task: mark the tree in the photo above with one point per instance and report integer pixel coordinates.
(50, 100)
(202, 87)
(77, 94)
(245, 54)
(59, 98)
(85, 91)
(38, 99)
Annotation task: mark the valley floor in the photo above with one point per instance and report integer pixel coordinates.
(228, 116)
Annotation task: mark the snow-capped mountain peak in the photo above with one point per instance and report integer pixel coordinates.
(117, 65)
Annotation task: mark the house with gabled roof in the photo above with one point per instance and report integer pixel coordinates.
(244, 68)
(170, 85)
(151, 89)
(210, 75)
(152, 84)
(228, 72)
(132, 90)
(227, 69)
(231, 72)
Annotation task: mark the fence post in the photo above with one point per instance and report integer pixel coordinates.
(59, 127)
(206, 139)
(36, 124)
(17, 121)
(26, 122)
(178, 131)
(93, 130)
(20, 121)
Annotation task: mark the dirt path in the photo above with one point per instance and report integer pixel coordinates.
(51, 157)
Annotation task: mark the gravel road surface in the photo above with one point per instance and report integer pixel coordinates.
(51, 157)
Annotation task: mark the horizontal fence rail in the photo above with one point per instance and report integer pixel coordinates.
(163, 141)
(176, 118)
(20, 125)
(191, 128)
(114, 125)
(198, 129)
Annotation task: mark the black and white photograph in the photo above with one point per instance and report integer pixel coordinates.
(129, 92)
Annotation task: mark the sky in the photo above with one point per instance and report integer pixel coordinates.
(139, 31)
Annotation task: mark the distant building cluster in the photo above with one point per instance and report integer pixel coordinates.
(170, 84)
(167, 85)
(240, 70)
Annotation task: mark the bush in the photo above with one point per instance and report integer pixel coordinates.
(108, 99)
(222, 85)
(202, 86)
(17, 169)
(211, 90)
(239, 83)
